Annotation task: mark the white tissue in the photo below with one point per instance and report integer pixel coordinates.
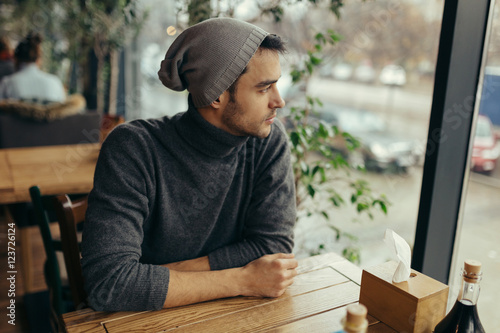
(403, 253)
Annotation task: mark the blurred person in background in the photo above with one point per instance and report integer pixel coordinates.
(6, 60)
(30, 83)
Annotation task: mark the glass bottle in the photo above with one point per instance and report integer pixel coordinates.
(463, 317)
(355, 320)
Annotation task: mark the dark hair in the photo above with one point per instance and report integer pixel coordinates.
(28, 50)
(274, 43)
(271, 42)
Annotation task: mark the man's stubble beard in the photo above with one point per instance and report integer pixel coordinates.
(231, 118)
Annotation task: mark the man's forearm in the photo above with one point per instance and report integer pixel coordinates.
(192, 265)
(194, 287)
(268, 276)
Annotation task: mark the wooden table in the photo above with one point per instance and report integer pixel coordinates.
(314, 303)
(55, 169)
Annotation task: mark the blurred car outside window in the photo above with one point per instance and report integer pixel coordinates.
(364, 74)
(393, 75)
(486, 150)
(342, 72)
(380, 149)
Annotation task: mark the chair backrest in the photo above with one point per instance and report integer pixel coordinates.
(46, 212)
(71, 213)
(78, 128)
(44, 207)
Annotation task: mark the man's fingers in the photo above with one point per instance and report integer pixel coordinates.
(282, 256)
(273, 274)
(288, 263)
(289, 275)
(284, 260)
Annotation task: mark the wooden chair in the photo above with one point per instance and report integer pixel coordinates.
(55, 272)
(71, 214)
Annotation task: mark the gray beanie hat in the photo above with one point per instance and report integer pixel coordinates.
(208, 57)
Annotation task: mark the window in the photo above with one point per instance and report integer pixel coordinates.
(478, 230)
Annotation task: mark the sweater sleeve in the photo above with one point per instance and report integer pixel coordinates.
(115, 279)
(271, 215)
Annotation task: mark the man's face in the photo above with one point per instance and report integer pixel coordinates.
(257, 99)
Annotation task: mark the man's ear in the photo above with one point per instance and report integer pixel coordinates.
(221, 101)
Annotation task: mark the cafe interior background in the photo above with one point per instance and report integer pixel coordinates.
(386, 79)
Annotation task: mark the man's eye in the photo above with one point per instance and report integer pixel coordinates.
(266, 89)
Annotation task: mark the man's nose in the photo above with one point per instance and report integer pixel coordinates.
(277, 102)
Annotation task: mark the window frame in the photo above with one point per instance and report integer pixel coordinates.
(446, 167)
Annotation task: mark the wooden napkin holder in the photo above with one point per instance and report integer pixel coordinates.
(416, 305)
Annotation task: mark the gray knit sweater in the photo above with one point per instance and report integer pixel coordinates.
(178, 188)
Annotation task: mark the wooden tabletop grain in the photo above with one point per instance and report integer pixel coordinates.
(55, 169)
(316, 302)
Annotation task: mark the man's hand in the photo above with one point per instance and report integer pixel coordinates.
(270, 275)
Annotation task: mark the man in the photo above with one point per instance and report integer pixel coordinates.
(201, 205)
(29, 82)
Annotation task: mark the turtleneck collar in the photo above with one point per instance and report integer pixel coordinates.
(205, 137)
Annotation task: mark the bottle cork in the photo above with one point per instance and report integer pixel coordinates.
(355, 320)
(472, 271)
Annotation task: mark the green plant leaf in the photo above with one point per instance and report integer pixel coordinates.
(352, 254)
(335, 130)
(323, 174)
(315, 60)
(361, 206)
(295, 137)
(323, 130)
(309, 67)
(311, 190)
(320, 37)
(296, 75)
(382, 205)
(336, 230)
(315, 169)
(334, 37)
(336, 199)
